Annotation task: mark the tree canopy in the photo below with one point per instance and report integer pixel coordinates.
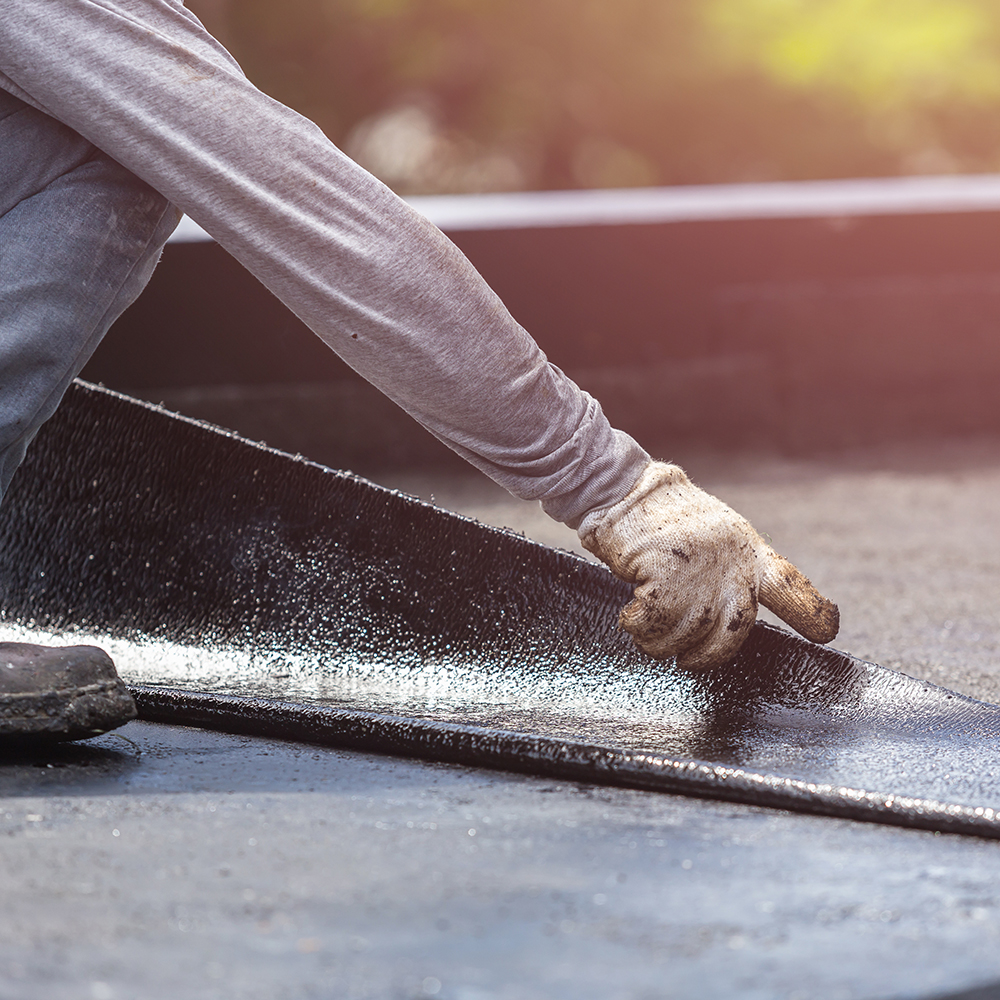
(472, 95)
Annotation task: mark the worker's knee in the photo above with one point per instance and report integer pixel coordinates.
(79, 238)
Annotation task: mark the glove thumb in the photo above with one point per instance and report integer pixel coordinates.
(785, 591)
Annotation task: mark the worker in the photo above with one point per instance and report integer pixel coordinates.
(118, 115)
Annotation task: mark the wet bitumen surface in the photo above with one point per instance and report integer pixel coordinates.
(246, 866)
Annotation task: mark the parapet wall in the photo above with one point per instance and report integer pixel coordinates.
(795, 316)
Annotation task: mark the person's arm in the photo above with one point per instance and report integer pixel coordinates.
(385, 289)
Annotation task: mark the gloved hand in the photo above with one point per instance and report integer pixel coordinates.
(700, 570)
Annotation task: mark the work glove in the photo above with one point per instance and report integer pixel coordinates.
(699, 569)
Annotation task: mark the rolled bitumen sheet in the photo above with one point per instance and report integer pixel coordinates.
(244, 589)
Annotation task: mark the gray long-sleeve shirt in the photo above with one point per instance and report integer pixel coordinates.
(386, 290)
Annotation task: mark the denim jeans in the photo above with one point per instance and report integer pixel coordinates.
(79, 238)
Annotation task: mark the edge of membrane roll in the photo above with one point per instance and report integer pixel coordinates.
(509, 751)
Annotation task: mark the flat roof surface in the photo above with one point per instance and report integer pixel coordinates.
(162, 861)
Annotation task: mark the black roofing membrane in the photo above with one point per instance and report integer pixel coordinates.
(244, 589)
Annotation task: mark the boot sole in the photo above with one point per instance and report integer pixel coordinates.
(75, 713)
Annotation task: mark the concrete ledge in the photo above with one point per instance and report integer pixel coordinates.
(694, 203)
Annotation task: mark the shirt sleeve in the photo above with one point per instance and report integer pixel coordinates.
(377, 282)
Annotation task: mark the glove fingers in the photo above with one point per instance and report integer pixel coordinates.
(700, 638)
(723, 642)
(786, 591)
(651, 625)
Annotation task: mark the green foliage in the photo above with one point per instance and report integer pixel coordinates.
(451, 95)
(883, 52)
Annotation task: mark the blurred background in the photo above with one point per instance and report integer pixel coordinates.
(833, 373)
(498, 95)
(730, 334)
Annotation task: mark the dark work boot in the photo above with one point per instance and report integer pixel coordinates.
(49, 694)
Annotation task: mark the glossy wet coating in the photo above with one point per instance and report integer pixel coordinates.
(207, 563)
